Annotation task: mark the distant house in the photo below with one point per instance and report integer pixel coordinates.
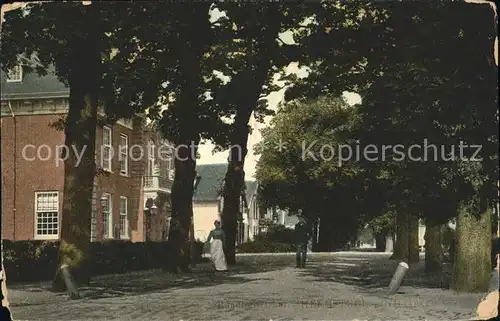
(207, 198)
(282, 217)
(208, 203)
(254, 208)
(366, 239)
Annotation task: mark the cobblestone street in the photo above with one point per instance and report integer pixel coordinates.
(336, 286)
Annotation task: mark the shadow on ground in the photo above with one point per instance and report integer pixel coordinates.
(203, 275)
(367, 272)
(370, 273)
(143, 282)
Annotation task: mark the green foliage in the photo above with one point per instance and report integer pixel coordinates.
(277, 233)
(276, 239)
(265, 247)
(383, 224)
(199, 249)
(296, 124)
(417, 83)
(265, 223)
(366, 235)
(292, 179)
(63, 38)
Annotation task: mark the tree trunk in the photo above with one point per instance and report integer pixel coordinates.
(186, 147)
(472, 269)
(80, 131)
(413, 247)
(235, 177)
(380, 242)
(433, 247)
(250, 82)
(406, 246)
(326, 241)
(315, 236)
(80, 135)
(401, 243)
(389, 242)
(182, 209)
(191, 46)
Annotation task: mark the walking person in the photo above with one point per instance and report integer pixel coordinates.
(218, 238)
(302, 236)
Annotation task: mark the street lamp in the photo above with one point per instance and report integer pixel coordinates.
(153, 210)
(104, 202)
(150, 209)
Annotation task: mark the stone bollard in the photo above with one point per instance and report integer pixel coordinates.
(70, 284)
(398, 277)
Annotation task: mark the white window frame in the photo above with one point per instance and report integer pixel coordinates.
(110, 216)
(106, 129)
(124, 235)
(170, 162)
(18, 79)
(37, 211)
(170, 159)
(123, 158)
(151, 159)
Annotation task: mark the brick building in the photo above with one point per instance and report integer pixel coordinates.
(158, 180)
(33, 183)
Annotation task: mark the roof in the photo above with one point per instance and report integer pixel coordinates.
(211, 183)
(251, 189)
(33, 86)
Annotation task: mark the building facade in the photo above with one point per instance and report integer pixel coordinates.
(253, 209)
(33, 174)
(207, 199)
(157, 185)
(279, 216)
(208, 203)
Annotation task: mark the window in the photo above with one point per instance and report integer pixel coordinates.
(123, 154)
(107, 216)
(169, 158)
(15, 74)
(151, 158)
(47, 215)
(107, 148)
(123, 218)
(170, 162)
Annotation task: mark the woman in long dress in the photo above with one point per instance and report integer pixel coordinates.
(218, 239)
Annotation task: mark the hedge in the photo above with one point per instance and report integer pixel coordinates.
(29, 261)
(265, 247)
(277, 239)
